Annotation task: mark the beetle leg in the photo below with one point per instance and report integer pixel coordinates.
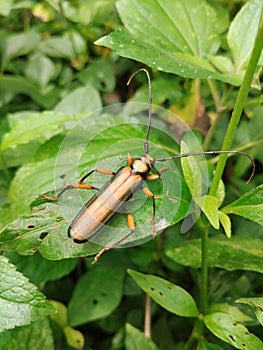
(79, 184)
(158, 175)
(151, 195)
(131, 225)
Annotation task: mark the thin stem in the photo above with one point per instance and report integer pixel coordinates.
(239, 105)
(204, 271)
(147, 317)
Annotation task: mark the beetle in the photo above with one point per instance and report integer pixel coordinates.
(112, 197)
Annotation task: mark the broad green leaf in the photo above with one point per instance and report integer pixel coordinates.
(176, 38)
(19, 44)
(226, 328)
(170, 296)
(47, 270)
(257, 305)
(237, 253)
(250, 206)
(43, 230)
(96, 295)
(38, 336)
(225, 222)
(208, 204)
(13, 85)
(21, 303)
(103, 143)
(242, 32)
(136, 340)
(82, 100)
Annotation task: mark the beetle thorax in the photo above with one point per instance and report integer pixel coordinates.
(142, 165)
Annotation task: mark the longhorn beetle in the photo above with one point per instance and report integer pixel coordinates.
(120, 188)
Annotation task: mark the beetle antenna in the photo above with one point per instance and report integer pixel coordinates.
(213, 152)
(146, 144)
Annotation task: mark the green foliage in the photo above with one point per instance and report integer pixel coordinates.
(60, 70)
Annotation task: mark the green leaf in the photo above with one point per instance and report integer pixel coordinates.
(242, 32)
(170, 296)
(233, 311)
(46, 270)
(43, 230)
(176, 38)
(19, 44)
(250, 206)
(27, 134)
(100, 290)
(225, 222)
(103, 143)
(75, 338)
(136, 340)
(21, 302)
(237, 253)
(13, 85)
(57, 46)
(192, 171)
(257, 305)
(226, 328)
(208, 204)
(82, 100)
(40, 69)
(37, 336)
(204, 345)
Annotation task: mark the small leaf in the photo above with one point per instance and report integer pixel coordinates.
(257, 304)
(242, 32)
(60, 317)
(40, 69)
(226, 328)
(82, 100)
(193, 169)
(19, 44)
(220, 194)
(57, 46)
(170, 296)
(99, 290)
(75, 338)
(21, 303)
(225, 222)
(136, 340)
(250, 205)
(233, 311)
(237, 253)
(208, 204)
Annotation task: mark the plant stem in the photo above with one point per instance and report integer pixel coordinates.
(204, 271)
(239, 105)
(147, 317)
